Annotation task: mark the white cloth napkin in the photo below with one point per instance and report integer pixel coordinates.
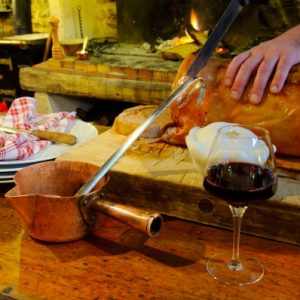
(22, 115)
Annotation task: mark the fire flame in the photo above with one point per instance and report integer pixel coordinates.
(193, 34)
(186, 37)
(194, 20)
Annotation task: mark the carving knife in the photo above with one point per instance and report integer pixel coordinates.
(231, 12)
(57, 137)
(228, 17)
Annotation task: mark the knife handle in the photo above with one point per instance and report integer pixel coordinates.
(57, 137)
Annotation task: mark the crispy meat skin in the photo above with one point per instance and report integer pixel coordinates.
(280, 114)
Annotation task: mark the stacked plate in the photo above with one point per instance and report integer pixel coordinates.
(82, 130)
(8, 170)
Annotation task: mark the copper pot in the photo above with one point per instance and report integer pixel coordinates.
(49, 211)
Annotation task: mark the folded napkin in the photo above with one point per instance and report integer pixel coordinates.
(22, 115)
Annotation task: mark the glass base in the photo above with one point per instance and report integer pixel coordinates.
(248, 272)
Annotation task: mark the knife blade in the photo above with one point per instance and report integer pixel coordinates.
(228, 17)
(57, 137)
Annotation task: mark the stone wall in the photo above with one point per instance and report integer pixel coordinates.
(94, 19)
(40, 15)
(99, 18)
(6, 24)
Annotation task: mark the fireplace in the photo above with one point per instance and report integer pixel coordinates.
(152, 20)
(146, 21)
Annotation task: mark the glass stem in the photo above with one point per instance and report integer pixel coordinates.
(237, 213)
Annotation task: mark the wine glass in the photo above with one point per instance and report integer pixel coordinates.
(240, 169)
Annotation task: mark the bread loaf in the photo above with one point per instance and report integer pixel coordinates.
(128, 120)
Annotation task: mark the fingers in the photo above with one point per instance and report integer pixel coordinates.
(262, 77)
(283, 68)
(271, 58)
(243, 74)
(243, 66)
(265, 67)
(234, 66)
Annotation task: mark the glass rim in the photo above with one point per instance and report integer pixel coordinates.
(255, 129)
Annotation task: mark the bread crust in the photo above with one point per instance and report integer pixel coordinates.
(128, 120)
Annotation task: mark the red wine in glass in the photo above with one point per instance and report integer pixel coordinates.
(240, 182)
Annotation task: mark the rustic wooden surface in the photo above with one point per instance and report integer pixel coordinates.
(162, 177)
(120, 263)
(130, 78)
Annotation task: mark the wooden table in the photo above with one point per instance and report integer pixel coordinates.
(118, 262)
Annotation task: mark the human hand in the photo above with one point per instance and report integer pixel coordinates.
(272, 59)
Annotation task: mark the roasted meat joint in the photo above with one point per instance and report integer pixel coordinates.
(149, 149)
(278, 113)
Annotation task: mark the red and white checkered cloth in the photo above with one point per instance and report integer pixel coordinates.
(22, 115)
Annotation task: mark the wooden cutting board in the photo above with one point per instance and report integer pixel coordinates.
(162, 177)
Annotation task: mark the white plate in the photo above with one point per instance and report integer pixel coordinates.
(82, 130)
(5, 176)
(14, 168)
(6, 181)
(8, 170)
